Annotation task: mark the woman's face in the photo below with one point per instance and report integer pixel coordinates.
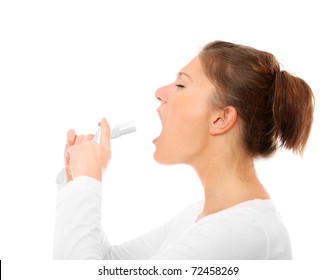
(184, 114)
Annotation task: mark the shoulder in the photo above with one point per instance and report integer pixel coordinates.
(251, 230)
(188, 215)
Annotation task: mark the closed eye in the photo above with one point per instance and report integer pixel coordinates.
(179, 86)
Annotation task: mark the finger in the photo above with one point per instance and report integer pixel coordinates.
(67, 169)
(69, 145)
(68, 164)
(105, 133)
(71, 137)
(79, 139)
(66, 157)
(68, 175)
(87, 138)
(69, 150)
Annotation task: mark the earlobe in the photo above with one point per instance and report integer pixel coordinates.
(223, 120)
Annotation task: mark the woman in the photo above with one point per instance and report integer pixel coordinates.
(228, 106)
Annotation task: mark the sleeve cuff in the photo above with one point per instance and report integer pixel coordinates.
(81, 184)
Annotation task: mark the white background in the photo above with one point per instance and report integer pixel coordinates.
(66, 64)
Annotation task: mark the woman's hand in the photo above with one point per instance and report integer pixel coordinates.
(86, 158)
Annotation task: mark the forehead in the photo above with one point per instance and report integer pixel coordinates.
(194, 69)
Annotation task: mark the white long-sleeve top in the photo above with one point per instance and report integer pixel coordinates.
(249, 230)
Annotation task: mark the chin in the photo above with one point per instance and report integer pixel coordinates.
(166, 154)
(163, 159)
(160, 159)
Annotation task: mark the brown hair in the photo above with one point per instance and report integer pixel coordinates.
(276, 107)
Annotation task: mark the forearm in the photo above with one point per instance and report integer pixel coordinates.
(78, 232)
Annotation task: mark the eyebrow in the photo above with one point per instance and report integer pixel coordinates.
(183, 73)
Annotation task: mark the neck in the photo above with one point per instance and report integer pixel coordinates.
(227, 181)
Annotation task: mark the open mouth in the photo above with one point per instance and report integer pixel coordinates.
(158, 127)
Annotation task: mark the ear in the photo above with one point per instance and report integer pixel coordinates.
(223, 120)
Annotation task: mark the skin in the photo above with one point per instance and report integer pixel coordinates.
(86, 158)
(193, 133)
(206, 138)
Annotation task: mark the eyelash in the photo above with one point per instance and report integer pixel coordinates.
(179, 86)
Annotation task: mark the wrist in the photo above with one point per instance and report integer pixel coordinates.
(95, 174)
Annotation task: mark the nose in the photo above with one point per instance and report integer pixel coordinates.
(162, 94)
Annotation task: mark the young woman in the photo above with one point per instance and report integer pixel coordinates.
(228, 106)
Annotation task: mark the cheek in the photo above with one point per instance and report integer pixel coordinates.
(185, 132)
(189, 117)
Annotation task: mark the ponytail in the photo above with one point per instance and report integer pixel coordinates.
(293, 106)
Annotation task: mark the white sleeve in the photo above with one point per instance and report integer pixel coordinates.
(77, 225)
(141, 248)
(78, 233)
